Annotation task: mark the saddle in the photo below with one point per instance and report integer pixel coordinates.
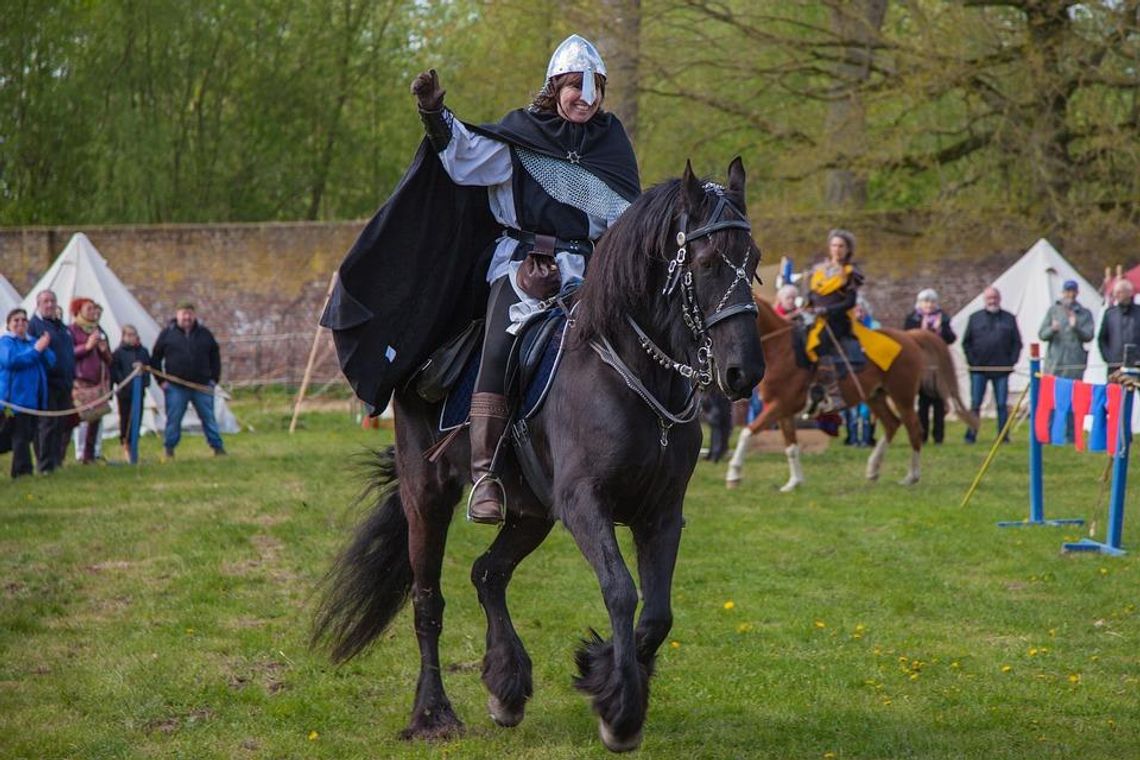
(534, 360)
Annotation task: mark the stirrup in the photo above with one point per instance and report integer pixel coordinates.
(503, 501)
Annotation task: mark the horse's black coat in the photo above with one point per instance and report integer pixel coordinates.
(603, 445)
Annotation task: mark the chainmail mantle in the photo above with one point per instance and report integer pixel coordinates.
(572, 184)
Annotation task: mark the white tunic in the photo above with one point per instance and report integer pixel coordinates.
(477, 160)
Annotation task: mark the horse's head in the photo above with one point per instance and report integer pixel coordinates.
(710, 274)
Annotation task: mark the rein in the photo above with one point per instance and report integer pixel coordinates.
(679, 276)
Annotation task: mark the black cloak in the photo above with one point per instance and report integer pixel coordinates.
(417, 274)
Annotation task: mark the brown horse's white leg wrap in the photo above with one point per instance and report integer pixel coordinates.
(736, 464)
(795, 467)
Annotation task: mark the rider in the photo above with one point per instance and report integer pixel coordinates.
(834, 289)
(558, 174)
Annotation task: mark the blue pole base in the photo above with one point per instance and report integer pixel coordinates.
(1088, 545)
(1034, 523)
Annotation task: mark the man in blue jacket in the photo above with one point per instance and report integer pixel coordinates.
(992, 343)
(24, 364)
(52, 432)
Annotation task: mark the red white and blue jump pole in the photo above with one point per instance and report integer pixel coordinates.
(1036, 481)
(1111, 544)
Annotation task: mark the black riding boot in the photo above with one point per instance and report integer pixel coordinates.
(488, 423)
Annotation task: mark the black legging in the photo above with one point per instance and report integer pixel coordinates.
(931, 405)
(496, 340)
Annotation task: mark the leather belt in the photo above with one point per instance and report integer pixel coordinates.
(549, 245)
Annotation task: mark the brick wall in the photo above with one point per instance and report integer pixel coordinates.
(260, 287)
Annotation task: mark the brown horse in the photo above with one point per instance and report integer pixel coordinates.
(924, 361)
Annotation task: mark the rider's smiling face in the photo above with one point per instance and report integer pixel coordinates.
(571, 106)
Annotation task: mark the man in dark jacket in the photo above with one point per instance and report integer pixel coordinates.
(52, 432)
(1120, 327)
(992, 343)
(186, 350)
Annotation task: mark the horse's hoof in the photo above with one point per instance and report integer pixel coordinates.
(732, 483)
(441, 724)
(790, 486)
(872, 476)
(613, 744)
(502, 715)
(908, 481)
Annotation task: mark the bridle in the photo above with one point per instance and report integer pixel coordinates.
(680, 277)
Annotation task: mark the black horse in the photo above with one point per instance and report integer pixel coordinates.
(671, 278)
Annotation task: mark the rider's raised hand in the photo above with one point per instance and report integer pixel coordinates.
(429, 95)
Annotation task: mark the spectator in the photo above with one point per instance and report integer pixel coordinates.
(928, 315)
(992, 344)
(717, 410)
(92, 375)
(186, 350)
(130, 355)
(24, 365)
(52, 432)
(857, 419)
(1066, 328)
(1120, 327)
(786, 305)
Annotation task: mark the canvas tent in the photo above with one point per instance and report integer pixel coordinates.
(1028, 289)
(9, 298)
(81, 271)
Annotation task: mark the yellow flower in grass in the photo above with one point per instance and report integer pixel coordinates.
(828, 755)
(1074, 678)
(820, 624)
(729, 605)
(313, 736)
(1006, 668)
(1033, 651)
(744, 628)
(674, 645)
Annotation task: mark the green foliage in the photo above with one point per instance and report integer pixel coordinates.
(118, 111)
(162, 612)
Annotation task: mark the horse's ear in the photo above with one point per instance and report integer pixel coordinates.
(692, 187)
(736, 176)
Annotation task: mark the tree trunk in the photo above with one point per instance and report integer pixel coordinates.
(619, 41)
(856, 25)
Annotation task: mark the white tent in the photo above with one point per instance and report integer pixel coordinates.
(9, 298)
(80, 271)
(1028, 289)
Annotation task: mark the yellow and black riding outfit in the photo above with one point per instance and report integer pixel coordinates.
(833, 290)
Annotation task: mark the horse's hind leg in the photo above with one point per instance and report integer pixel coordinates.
(506, 666)
(429, 509)
(882, 410)
(914, 433)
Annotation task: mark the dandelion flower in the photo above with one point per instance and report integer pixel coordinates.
(1006, 668)
(1074, 678)
(744, 628)
(674, 645)
(313, 736)
(1032, 651)
(729, 605)
(820, 624)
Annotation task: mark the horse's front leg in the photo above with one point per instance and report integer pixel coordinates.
(428, 521)
(506, 665)
(657, 542)
(609, 671)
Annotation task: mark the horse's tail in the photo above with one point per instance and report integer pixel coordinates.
(940, 377)
(370, 580)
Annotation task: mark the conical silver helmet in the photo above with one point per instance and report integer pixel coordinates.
(577, 54)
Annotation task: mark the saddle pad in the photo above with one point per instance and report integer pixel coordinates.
(457, 406)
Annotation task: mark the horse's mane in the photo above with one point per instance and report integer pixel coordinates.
(621, 269)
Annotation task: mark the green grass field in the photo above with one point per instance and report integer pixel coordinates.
(163, 611)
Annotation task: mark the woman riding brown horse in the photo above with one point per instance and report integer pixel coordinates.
(924, 361)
